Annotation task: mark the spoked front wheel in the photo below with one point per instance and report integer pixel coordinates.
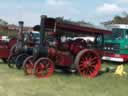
(43, 68)
(28, 65)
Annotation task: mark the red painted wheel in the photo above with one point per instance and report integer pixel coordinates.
(43, 68)
(28, 65)
(88, 63)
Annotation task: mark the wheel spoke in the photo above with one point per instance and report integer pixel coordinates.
(47, 66)
(30, 61)
(85, 72)
(95, 58)
(88, 55)
(93, 63)
(91, 69)
(81, 69)
(88, 71)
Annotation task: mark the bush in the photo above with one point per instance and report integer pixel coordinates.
(12, 34)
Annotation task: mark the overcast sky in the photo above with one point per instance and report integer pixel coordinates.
(94, 11)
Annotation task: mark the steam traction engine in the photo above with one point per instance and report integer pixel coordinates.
(23, 47)
(60, 48)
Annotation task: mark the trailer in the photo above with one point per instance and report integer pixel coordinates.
(62, 46)
(6, 44)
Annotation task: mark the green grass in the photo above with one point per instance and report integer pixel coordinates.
(14, 83)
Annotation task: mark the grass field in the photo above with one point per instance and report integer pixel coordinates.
(15, 83)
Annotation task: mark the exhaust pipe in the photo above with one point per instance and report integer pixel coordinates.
(21, 25)
(42, 30)
(20, 33)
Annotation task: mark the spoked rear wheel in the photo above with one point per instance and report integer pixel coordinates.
(28, 65)
(88, 63)
(43, 68)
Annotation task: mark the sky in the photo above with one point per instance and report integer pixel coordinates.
(93, 11)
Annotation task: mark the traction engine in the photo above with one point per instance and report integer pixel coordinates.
(23, 47)
(81, 51)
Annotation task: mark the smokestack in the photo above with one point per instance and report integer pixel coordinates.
(21, 25)
(20, 33)
(42, 29)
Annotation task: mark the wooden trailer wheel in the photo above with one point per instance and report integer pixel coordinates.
(88, 63)
(28, 65)
(43, 68)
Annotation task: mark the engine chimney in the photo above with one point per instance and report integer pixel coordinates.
(42, 30)
(20, 33)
